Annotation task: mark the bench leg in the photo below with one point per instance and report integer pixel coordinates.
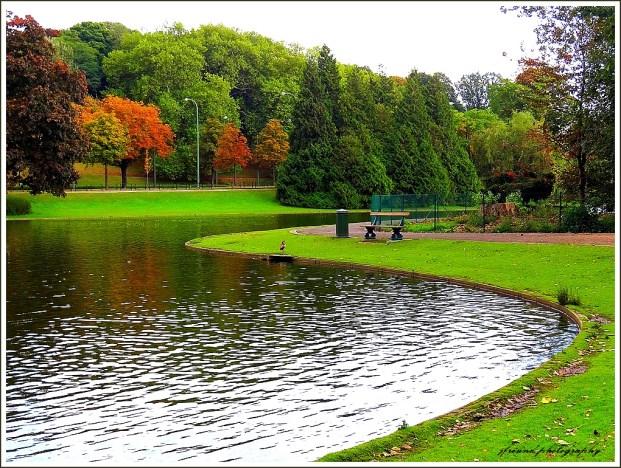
(370, 234)
(396, 233)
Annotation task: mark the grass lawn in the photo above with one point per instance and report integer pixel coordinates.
(85, 205)
(563, 418)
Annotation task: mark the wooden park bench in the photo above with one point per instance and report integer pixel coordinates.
(376, 223)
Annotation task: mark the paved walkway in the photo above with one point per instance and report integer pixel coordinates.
(357, 230)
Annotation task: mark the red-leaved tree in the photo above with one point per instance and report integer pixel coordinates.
(232, 150)
(272, 147)
(43, 138)
(147, 132)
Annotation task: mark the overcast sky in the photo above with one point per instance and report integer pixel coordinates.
(452, 37)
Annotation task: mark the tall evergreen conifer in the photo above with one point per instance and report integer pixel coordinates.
(304, 178)
(416, 167)
(446, 143)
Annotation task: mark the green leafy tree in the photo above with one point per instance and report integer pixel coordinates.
(84, 46)
(473, 89)
(81, 56)
(507, 97)
(211, 131)
(259, 71)
(43, 138)
(451, 93)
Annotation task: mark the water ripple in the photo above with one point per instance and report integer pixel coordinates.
(235, 360)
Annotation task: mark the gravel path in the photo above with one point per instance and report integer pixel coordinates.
(357, 230)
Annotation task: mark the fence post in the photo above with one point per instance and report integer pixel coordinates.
(435, 212)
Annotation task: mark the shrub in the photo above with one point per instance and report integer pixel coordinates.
(481, 197)
(441, 226)
(533, 225)
(505, 225)
(606, 223)
(567, 296)
(17, 206)
(578, 219)
(461, 219)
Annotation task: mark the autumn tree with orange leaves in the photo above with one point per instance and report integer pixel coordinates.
(272, 147)
(232, 150)
(148, 135)
(108, 138)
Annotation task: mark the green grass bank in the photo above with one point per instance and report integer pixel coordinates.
(128, 204)
(562, 411)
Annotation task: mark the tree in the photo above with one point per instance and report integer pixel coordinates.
(579, 42)
(211, 132)
(415, 166)
(303, 179)
(272, 147)
(81, 56)
(449, 88)
(43, 138)
(473, 89)
(507, 97)
(147, 133)
(544, 86)
(232, 150)
(446, 143)
(258, 69)
(108, 138)
(163, 68)
(84, 45)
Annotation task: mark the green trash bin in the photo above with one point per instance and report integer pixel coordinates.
(342, 226)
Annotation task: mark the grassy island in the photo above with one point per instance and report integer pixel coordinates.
(561, 411)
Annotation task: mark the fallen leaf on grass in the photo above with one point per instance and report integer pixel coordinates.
(562, 442)
(548, 400)
(574, 368)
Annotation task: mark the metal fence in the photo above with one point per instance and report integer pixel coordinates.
(480, 212)
(425, 207)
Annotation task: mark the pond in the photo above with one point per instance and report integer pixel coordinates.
(125, 347)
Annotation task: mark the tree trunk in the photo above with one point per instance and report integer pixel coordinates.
(234, 175)
(124, 164)
(105, 177)
(257, 177)
(274, 175)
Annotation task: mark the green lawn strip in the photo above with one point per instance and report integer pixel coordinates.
(88, 205)
(537, 269)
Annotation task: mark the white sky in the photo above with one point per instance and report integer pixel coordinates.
(452, 37)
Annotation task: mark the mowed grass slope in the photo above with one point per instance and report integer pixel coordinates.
(568, 418)
(85, 205)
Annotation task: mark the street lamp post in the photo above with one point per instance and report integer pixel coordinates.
(198, 174)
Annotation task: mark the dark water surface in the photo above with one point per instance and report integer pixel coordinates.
(125, 347)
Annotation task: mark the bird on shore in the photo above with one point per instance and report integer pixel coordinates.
(283, 246)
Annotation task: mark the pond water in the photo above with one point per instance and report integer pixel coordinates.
(125, 347)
